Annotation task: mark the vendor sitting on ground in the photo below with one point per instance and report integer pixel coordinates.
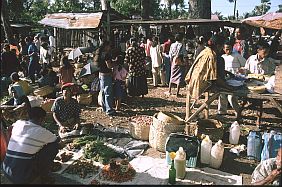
(66, 112)
(268, 171)
(21, 103)
(31, 150)
(24, 84)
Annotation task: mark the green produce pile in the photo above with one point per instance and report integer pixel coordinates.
(99, 152)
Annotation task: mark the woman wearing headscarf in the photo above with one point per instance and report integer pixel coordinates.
(135, 58)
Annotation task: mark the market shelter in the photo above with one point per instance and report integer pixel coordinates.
(74, 29)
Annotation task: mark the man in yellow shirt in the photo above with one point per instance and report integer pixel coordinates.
(24, 84)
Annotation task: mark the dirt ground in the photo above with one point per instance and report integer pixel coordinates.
(156, 100)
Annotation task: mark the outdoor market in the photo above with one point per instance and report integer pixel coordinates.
(107, 95)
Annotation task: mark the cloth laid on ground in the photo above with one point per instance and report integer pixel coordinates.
(120, 140)
(155, 172)
(204, 69)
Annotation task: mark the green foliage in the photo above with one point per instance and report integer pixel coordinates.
(97, 151)
(126, 7)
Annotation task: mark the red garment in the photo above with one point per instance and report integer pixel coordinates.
(4, 137)
(166, 46)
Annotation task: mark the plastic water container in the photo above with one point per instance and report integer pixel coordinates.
(254, 145)
(272, 142)
(217, 152)
(206, 146)
(234, 134)
(180, 163)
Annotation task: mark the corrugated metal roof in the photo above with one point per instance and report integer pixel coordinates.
(73, 20)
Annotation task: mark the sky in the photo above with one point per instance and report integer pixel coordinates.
(243, 6)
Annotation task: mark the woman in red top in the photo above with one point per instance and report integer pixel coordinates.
(66, 71)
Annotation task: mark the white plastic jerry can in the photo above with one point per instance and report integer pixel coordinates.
(180, 163)
(217, 154)
(206, 146)
(234, 134)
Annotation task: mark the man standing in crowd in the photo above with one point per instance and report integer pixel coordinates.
(103, 59)
(31, 150)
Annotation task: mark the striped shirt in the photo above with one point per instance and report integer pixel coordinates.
(29, 138)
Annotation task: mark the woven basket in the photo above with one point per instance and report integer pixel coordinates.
(78, 65)
(167, 127)
(159, 131)
(43, 91)
(139, 131)
(47, 105)
(257, 89)
(157, 139)
(169, 118)
(210, 127)
(84, 99)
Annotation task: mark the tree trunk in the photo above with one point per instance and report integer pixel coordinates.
(5, 21)
(146, 10)
(200, 9)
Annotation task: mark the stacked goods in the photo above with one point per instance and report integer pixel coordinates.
(43, 91)
(47, 104)
(64, 157)
(163, 125)
(79, 142)
(84, 99)
(140, 126)
(278, 80)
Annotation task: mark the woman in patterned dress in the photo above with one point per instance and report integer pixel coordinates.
(135, 59)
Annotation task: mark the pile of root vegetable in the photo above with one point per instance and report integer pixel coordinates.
(115, 173)
(83, 168)
(141, 120)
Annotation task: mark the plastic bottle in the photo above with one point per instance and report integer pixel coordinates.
(254, 145)
(217, 154)
(172, 174)
(206, 146)
(180, 163)
(234, 134)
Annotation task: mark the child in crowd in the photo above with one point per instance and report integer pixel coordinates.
(119, 76)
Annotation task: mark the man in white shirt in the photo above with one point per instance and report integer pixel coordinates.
(31, 150)
(260, 63)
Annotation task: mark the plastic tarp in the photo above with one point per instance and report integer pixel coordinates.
(269, 20)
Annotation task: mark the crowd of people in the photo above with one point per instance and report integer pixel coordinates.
(181, 59)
